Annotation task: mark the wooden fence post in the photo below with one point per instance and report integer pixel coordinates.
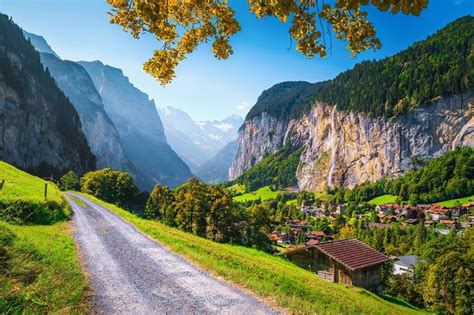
(45, 191)
(2, 182)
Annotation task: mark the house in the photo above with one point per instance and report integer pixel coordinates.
(316, 235)
(348, 261)
(404, 264)
(429, 223)
(450, 223)
(411, 221)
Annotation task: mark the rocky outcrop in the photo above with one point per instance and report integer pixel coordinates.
(139, 127)
(40, 130)
(345, 149)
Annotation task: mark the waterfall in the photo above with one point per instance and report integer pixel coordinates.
(334, 147)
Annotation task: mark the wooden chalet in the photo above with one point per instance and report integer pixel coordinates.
(348, 261)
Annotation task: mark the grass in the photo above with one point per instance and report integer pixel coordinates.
(263, 193)
(20, 185)
(273, 279)
(39, 267)
(78, 201)
(380, 200)
(456, 202)
(40, 270)
(22, 198)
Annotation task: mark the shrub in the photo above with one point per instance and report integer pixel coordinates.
(111, 186)
(70, 181)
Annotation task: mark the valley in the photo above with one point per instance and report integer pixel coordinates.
(349, 195)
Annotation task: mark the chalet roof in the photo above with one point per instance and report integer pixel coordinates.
(352, 253)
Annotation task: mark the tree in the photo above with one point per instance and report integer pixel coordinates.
(111, 186)
(182, 25)
(70, 181)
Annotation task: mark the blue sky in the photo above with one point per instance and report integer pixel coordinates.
(207, 88)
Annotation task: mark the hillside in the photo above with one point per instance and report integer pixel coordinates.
(39, 270)
(440, 65)
(369, 122)
(41, 130)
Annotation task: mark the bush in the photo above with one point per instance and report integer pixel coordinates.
(28, 212)
(70, 181)
(111, 186)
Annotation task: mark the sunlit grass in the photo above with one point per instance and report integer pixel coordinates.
(264, 193)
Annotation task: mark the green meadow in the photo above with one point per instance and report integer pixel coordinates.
(39, 266)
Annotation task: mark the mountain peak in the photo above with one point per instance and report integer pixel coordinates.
(40, 44)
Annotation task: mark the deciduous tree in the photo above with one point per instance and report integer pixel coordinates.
(181, 25)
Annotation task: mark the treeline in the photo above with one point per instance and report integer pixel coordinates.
(442, 64)
(278, 169)
(112, 186)
(443, 277)
(209, 211)
(446, 177)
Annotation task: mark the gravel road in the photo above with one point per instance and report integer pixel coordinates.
(131, 274)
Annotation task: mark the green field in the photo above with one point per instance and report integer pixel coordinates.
(456, 202)
(39, 266)
(271, 278)
(380, 200)
(22, 186)
(263, 193)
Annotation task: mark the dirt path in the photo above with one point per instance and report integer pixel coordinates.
(130, 273)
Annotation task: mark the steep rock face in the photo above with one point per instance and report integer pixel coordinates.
(344, 149)
(40, 130)
(139, 127)
(99, 130)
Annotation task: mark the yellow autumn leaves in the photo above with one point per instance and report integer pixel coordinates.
(181, 25)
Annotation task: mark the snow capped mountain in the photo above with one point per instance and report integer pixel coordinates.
(197, 141)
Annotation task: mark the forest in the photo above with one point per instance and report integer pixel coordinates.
(278, 169)
(446, 177)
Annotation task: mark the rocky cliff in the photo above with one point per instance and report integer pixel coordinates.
(40, 130)
(345, 149)
(139, 127)
(98, 128)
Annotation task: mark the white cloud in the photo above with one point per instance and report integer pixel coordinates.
(243, 106)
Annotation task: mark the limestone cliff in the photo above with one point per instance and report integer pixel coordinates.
(343, 148)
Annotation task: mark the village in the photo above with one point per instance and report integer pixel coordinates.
(350, 261)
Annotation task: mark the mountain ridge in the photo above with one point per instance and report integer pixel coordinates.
(42, 126)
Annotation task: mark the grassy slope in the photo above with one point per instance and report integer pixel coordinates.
(21, 185)
(42, 273)
(272, 278)
(380, 200)
(263, 193)
(39, 268)
(456, 202)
